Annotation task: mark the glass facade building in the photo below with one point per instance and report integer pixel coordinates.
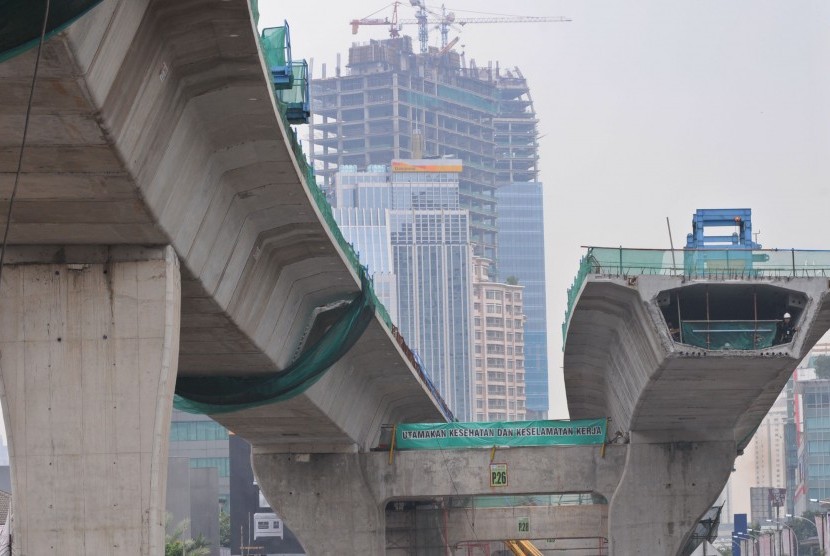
(409, 225)
(521, 255)
(204, 442)
(813, 472)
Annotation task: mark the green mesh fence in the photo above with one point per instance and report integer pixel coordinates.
(571, 499)
(585, 266)
(223, 394)
(21, 22)
(295, 98)
(724, 335)
(255, 11)
(274, 46)
(697, 263)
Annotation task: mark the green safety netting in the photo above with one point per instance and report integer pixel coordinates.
(274, 46)
(224, 394)
(571, 499)
(710, 263)
(21, 22)
(722, 335)
(295, 99)
(255, 11)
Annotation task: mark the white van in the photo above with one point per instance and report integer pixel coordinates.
(267, 525)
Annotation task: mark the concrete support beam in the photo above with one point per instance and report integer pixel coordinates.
(545, 522)
(327, 500)
(88, 361)
(335, 503)
(665, 490)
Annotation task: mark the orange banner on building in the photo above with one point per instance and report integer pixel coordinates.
(446, 166)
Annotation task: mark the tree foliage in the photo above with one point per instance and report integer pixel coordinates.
(224, 529)
(822, 366)
(176, 545)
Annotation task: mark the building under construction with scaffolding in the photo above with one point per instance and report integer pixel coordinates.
(395, 103)
(391, 102)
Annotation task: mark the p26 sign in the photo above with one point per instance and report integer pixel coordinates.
(498, 474)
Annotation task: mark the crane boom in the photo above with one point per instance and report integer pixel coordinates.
(444, 20)
(516, 19)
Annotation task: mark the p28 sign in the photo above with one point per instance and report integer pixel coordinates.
(524, 525)
(498, 474)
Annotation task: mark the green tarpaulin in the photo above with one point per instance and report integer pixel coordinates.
(274, 46)
(224, 394)
(723, 335)
(21, 22)
(439, 436)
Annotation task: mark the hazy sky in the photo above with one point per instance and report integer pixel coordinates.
(648, 110)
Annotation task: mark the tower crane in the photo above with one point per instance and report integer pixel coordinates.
(425, 17)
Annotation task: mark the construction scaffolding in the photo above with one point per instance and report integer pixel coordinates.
(398, 104)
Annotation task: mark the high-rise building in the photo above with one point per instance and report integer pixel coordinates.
(763, 464)
(397, 104)
(415, 204)
(362, 199)
(498, 347)
(204, 442)
(812, 422)
(521, 237)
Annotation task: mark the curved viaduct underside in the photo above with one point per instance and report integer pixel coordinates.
(687, 410)
(153, 123)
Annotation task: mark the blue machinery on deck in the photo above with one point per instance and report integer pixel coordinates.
(729, 252)
(728, 300)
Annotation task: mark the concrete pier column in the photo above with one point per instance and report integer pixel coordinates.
(88, 360)
(665, 489)
(326, 500)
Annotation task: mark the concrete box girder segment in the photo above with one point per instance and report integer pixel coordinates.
(687, 410)
(153, 124)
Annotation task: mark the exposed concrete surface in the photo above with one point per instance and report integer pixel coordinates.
(347, 493)
(545, 522)
(153, 123)
(620, 361)
(87, 371)
(687, 410)
(204, 507)
(178, 494)
(664, 491)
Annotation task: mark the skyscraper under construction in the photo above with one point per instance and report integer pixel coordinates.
(394, 103)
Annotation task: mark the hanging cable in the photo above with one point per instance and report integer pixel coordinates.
(14, 549)
(455, 488)
(23, 142)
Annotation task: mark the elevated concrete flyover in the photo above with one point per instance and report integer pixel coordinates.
(153, 124)
(686, 361)
(349, 494)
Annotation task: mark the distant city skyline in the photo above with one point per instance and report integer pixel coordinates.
(647, 111)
